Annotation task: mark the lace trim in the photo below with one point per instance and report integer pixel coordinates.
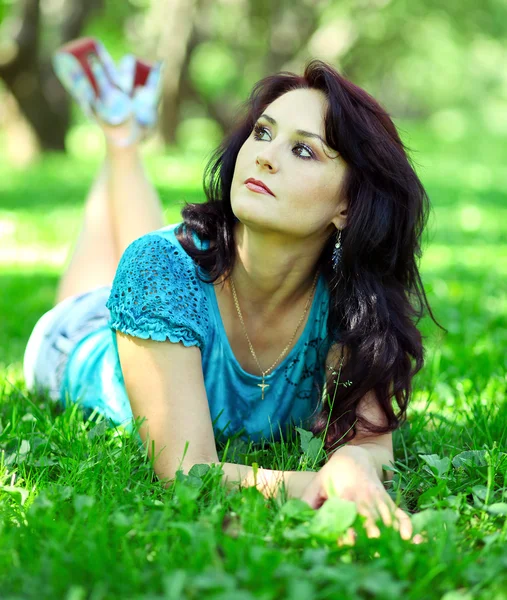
(156, 294)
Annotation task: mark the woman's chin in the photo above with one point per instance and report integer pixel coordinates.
(249, 213)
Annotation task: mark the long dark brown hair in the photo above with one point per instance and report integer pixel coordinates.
(376, 294)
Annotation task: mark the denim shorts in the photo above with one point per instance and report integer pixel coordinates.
(55, 335)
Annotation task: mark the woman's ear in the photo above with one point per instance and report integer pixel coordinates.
(340, 218)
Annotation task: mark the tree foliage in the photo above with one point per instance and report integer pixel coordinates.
(418, 59)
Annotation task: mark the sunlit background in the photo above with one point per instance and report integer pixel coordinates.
(438, 68)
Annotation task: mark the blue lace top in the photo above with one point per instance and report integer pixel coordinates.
(156, 294)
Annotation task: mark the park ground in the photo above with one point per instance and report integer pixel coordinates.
(81, 515)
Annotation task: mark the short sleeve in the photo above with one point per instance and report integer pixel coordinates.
(156, 294)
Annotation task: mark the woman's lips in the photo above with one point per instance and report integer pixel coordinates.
(257, 188)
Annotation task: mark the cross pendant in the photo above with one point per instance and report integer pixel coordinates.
(262, 386)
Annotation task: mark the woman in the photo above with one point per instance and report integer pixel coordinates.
(288, 298)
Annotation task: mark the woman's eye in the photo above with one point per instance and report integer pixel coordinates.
(307, 150)
(259, 130)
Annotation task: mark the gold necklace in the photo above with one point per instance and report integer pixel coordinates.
(263, 385)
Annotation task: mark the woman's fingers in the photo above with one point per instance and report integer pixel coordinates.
(348, 538)
(314, 495)
(405, 524)
(372, 531)
(391, 516)
(386, 511)
(395, 517)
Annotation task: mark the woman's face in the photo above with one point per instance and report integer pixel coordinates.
(302, 172)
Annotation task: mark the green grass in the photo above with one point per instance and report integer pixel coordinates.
(83, 517)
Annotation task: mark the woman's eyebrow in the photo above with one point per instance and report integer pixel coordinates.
(300, 132)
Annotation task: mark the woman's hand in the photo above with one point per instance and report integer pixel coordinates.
(359, 483)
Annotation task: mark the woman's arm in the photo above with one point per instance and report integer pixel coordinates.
(369, 450)
(365, 453)
(269, 482)
(165, 386)
(370, 456)
(355, 472)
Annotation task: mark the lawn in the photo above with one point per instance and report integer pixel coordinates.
(83, 517)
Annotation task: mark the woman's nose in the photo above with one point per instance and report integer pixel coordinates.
(264, 161)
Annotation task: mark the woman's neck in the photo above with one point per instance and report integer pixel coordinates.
(272, 273)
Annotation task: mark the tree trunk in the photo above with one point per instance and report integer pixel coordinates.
(20, 142)
(49, 120)
(174, 39)
(29, 76)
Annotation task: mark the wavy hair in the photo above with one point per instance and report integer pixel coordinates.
(376, 294)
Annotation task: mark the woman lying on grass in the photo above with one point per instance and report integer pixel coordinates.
(287, 298)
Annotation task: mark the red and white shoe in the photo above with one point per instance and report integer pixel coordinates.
(107, 93)
(143, 83)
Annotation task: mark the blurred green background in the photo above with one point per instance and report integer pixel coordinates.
(442, 65)
(439, 70)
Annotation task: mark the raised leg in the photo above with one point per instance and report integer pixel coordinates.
(95, 257)
(121, 206)
(135, 204)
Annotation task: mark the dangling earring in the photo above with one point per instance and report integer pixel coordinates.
(337, 252)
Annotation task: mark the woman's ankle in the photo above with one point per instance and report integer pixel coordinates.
(117, 154)
(122, 137)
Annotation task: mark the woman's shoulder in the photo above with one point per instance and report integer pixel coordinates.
(163, 237)
(157, 285)
(170, 233)
(157, 261)
(156, 293)
(160, 247)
